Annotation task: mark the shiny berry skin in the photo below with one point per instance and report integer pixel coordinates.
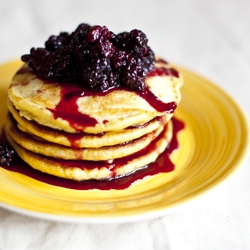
(6, 154)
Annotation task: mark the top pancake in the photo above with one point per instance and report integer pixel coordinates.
(114, 110)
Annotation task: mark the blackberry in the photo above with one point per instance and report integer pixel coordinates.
(94, 57)
(6, 154)
(54, 42)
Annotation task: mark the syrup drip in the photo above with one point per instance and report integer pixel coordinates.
(162, 165)
(163, 72)
(67, 108)
(156, 103)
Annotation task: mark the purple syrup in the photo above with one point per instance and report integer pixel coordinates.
(164, 72)
(162, 165)
(67, 108)
(156, 103)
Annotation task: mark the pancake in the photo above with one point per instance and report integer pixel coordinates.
(73, 109)
(84, 140)
(87, 170)
(70, 132)
(39, 146)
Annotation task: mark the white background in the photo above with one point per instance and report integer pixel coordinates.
(209, 37)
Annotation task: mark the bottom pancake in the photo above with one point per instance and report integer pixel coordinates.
(99, 170)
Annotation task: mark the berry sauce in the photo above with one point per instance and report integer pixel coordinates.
(156, 103)
(162, 165)
(162, 71)
(67, 108)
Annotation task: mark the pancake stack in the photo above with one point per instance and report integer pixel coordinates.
(70, 132)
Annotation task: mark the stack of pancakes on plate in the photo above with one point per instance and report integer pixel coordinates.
(72, 133)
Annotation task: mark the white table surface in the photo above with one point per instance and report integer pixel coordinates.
(209, 37)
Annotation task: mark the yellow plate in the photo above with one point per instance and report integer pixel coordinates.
(213, 145)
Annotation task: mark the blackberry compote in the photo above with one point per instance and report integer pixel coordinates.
(94, 57)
